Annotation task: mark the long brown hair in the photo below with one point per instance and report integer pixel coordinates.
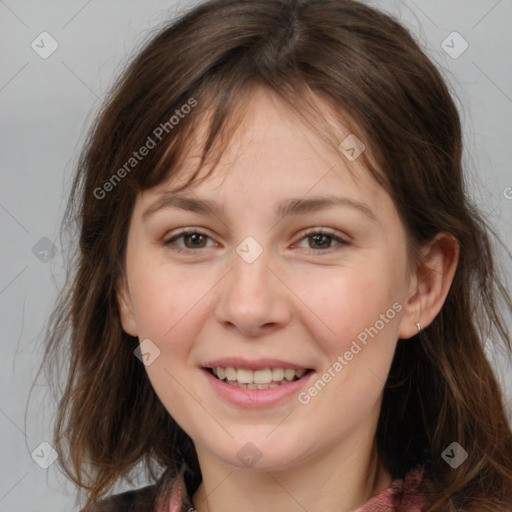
(441, 388)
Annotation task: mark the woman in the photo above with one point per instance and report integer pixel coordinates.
(324, 348)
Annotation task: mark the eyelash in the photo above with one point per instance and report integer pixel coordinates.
(309, 234)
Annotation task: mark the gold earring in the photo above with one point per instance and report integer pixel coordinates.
(418, 326)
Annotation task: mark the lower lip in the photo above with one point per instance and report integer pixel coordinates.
(250, 398)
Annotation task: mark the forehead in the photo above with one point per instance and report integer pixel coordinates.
(273, 153)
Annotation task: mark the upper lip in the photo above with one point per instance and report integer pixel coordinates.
(254, 364)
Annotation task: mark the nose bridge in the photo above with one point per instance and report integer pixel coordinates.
(252, 297)
(251, 278)
(251, 265)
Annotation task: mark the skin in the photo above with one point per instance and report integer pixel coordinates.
(303, 300)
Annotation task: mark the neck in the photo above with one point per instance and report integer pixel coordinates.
(343, 478)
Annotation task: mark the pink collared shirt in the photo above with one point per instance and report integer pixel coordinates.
(403, 495)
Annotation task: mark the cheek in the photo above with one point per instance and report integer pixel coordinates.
(170, 305)
(163, 295)
(166, 304)
(348, 302)
(359, 317)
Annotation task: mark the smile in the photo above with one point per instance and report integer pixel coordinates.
(237, 391)
(265, 378)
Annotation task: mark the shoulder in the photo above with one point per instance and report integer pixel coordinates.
(170, 490)
(139, 500)
(416, 488)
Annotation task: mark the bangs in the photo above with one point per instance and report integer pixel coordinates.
(221, 107)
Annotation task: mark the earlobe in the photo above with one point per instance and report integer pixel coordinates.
(430, 285)
(124, 306)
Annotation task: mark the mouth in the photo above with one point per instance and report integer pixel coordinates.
(265, 378)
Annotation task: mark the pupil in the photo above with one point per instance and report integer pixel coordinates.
(194, 238)
(317, 239)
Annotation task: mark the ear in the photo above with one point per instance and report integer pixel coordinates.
(430, 284)
(124, 306)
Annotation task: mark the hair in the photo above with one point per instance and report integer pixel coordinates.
(441, 387)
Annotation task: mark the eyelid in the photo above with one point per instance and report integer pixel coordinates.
(187, 231)
(332, 233)
(321, 231)
(342, 240)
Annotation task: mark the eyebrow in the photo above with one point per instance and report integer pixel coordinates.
(291, 206)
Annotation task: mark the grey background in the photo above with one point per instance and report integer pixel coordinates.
(46, 106)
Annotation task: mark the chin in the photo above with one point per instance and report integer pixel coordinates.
(263, 455)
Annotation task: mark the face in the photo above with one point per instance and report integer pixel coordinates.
(297, 268)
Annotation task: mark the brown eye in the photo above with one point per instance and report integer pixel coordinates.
(195, 240)
(192, 239)
(322, 241)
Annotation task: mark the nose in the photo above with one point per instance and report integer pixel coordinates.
(253, 299)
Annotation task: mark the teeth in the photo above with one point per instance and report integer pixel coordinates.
(263, 376)
(251, 385)
(257, 379)
(230, 373)
(289, 374)
(244, 376)
(277, 374)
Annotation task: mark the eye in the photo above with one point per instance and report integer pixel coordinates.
(193, 239)
(321, 239)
